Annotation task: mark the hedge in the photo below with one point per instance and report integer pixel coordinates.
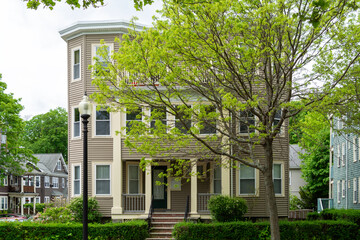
(136, 230)
(246, 230)
(351, 215)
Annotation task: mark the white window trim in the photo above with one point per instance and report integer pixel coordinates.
(72, 63)
(343, 154)
(338, 156)
(243, 133)
(94, 177)
(128, 164)
(63, 182)
(216, 125)
(38, 177)
(93, 50)
(343, 188)
(282, 194)
(58, 166)
(355, 190)
(257, 180)
(95, 121)
(354, 149)
(212, 177)
(37, 200)
(143, 110)
(167, 120)
(55, 183)
(338, 191)
(46, 199)
(72, 124)
(5, 181)
(73, 179)
(6, 207)
(47, 177)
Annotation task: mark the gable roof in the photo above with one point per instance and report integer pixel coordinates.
(294, 159)
(47, 162)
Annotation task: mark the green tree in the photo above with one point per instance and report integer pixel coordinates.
(315, 140)
(34, 4)
(249, 56)
(48, 132)
(13, 156)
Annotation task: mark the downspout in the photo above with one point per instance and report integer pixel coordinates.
(231, 165)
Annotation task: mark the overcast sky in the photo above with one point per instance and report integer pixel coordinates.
(33, 56)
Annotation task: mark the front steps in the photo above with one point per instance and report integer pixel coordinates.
(162, 225)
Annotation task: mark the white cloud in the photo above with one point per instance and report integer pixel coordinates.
(32, 54)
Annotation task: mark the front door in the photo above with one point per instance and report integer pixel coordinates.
(159, 191)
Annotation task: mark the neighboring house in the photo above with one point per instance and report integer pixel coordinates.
(116, 180)
(344, 168)
(295, 179)
(46, 181)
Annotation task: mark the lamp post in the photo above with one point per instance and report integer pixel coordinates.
(85, 108)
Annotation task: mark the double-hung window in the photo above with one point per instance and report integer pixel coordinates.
(37, 181)
(343, 188)
(354, 146)
(58, 165)
(132, 117)
(102, 55)
(55, 182)
(343, 151)
(63, 182)
(277, 177)
(338, 156)
(102, 123)
(182, 119)
(247, 122)
(5, 181)
(208, 118)
(47, 181)
(247, 180)
(217, 179)
(338, 190)
(76, 64)
(158, 115)
(76, 123)
(102, 179)
(76, 180)
(4, 203)
(134, 179)
(355, 195)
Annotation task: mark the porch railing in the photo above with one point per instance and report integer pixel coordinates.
(203, 199)
(134, 202)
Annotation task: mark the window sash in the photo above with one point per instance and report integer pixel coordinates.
(343, 188)
(37, 181)
(209, 125)
(76, 122)
(47, 181)
(76, 64)
(247, 178)
(161, 115)
(76, 180)
(277, 178)
(58, 165)
(186, 119)
(55, 182)
(246, 120)
(102, 179)
(133, 116)
(355, 190)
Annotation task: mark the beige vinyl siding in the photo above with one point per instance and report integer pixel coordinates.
(178, 198)
(105, 205)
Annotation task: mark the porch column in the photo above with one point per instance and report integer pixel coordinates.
(117, 171)
(225, 176)
(193, 187)
(34, 204)
(148, 188)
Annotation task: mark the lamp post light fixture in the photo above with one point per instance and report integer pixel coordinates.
(85, 108)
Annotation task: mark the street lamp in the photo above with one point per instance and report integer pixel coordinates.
(85, 108)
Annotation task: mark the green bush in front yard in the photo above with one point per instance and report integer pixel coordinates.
(227, 209)
(351, 215)
(298, 230)
(136, 230)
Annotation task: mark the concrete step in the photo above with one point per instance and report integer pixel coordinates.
(161, 230)
(160, 235)
(163, 224)
(167, 219)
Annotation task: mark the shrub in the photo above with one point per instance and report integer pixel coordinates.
(55, 215)
(351, 215)
(30, 230)
(297, 230)
(39, 207)
(76, 207)
(311, 216)
(227, 209)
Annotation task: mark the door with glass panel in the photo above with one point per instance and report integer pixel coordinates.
(159, 187)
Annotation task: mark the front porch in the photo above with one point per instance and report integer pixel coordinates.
(190, 196)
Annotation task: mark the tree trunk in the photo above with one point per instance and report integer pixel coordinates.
(269, 189)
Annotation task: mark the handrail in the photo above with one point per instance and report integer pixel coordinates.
(187, 209)
(151, 210)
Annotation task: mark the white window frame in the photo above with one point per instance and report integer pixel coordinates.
(354, 150)
(246, 119)
(290, 173)
(36, 181)
(5, 180)
(281, 178)
(63, 182)
(55, 182)
(140, 120)
(37, 200)
(338, 156)
(210, 133)
(73, 50)
(343, 188)
(58, 165)
(47, 182)
(77, 180)
(181, 125)
(94, 54)
(256, 183)
(154, 120)
(338, 191)
(46, 199)
(218, 168)
(73, 123)
(343, 154)
(355, 195)
(4, 201)
(105, 179)
(101, 120)
(128, 177)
